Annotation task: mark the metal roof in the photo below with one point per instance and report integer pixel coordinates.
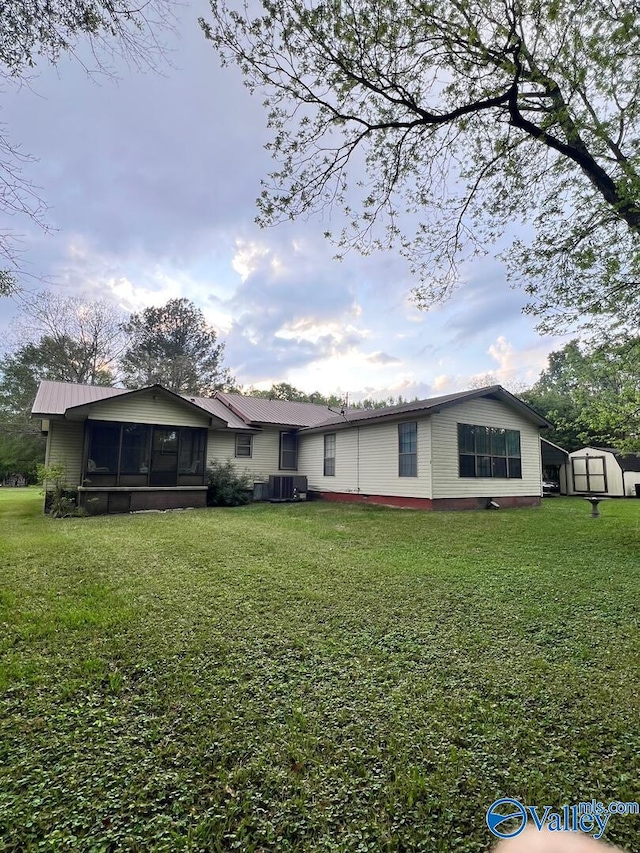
(218, 409)
(259, 410)
(54, 398)
(240, 412)
(430, 405)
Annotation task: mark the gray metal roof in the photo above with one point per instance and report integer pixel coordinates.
(430, 405)
(258, 410)
(218, 409)
(54, 398)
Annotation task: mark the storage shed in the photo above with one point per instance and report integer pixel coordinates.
(601, 471)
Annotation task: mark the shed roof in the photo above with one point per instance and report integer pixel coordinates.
(429, 406)
(627, 461)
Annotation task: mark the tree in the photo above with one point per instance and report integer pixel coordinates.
(33, 32)
(72, 341)
(592, 396)
(285, 391)
(78, 340)
(173, 346)
(468, 117)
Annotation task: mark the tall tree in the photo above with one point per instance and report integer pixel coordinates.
(174, 346)
(468, 117)
(592, 396)
(78, 339)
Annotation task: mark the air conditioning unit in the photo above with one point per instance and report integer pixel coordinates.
(287, 487)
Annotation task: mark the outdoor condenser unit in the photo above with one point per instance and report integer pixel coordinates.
(287, 487)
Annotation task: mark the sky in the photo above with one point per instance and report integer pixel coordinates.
(151, 181)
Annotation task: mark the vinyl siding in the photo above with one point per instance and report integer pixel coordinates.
(143, 409)
(264, 461)
(367, 461)
(311, 461)
(64, 447)
(447, 482)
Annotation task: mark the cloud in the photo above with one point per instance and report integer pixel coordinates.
(383, 358)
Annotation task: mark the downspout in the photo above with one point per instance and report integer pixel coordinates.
(358, 460)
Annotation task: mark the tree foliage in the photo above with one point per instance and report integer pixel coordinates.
(74, 339)
(285, 391)
(174, 346)
(592, 396)
(459, 119)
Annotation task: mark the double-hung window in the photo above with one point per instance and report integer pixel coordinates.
(244, 445)
(330, 455)
(489, 452)
(408, 450)
(288, 451)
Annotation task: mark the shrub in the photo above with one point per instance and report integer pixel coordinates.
(227, 485)
(59, 502)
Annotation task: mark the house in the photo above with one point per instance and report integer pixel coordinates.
(131, 450)
(601, 471)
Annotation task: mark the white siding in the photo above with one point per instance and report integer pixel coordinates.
(265, 458)
(631, 478)
(447, 482)
(613, 472)
(64, 447)
(367, 461)
(311, 461)
(144, 409)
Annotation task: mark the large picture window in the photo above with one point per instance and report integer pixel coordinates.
(330, 455)
(122, 454)
(408, 450)
(489, 452)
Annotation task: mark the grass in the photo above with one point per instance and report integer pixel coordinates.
(312, 677)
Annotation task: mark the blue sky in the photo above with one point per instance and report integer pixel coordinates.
(151, 181)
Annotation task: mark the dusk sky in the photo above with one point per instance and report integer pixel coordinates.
(151, 181)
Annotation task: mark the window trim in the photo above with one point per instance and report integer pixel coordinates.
(589, 474)
(294, 435)
(405, 455)
(488, 456)
(248, 455)
(329, 459)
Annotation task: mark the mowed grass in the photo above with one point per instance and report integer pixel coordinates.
(312, 677)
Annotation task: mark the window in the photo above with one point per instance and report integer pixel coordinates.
(244, 445)
(330, 455)
(288, 451)
(408, 450)
(489, 452)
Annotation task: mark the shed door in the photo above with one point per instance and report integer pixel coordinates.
(589, 474)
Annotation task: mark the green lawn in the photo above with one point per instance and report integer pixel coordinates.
(312, 677)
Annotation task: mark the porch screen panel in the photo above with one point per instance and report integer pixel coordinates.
(104, 448)
(192, 450)
(134, 458)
